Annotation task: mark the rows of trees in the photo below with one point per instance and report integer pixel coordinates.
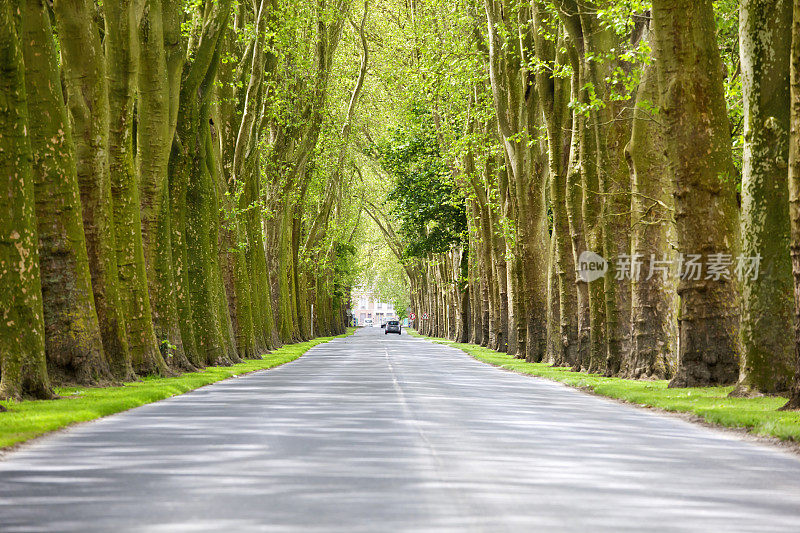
(655, 135)
(175, 183)
(188, 181)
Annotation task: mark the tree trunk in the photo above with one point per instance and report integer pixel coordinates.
(577, 233)
(286, 310)
(155, 131)
(555, 350)
(591, 212)
(501, 276)
(180, 168)
(218, 254)
(84, 70)
(72, 333)
(264, 323)
(765, 40)
(653, 291)
(554, 96)
(462, 330)
(121, 44)
(693, 103)
(518, 117)
(201, 239)
(23, 368)
(794, 193)
(489, 287)
(191, 190)
(476, 332)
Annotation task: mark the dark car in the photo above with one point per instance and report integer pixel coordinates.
(392, 326)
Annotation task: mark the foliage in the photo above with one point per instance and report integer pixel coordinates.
(430, 209)
(345, 267)
(727, 18)
(380, 270)
(391, 285)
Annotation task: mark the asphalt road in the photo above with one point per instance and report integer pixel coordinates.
(380, 433)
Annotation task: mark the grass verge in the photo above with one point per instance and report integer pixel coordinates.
(756, 415)
(29, 419)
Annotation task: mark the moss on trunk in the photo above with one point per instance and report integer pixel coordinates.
(84, 70)
(699, 148)
(794, 193)
(122, 64)
(72, 332)
(653, 292)
(767, 353)
(554, 97)
(23, 371)
(154, 133)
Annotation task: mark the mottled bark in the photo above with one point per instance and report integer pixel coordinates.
(699, 148)
(155, 130)
(516, 314)
(180, 166)
(765, 39)
(287, 312)
(202, 225)
(492, 336)
(615, 184)
(554, 96)
(221, 298)
(84, 72)
(591, 213)
(555, 351)
(794, 193)
(237, 285)
(72, 333)
(653, 291)
(488, 325)
(122, 62)
(191, 189)
(23, 370)
(239, 107)
(264, 321)
(462, 295)
(476, 331)
(577, 232)
(518, 118)
(603, 131)
(500, 275)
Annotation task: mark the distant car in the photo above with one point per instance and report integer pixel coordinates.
(368, 323)
(383, 325)
(393, 326)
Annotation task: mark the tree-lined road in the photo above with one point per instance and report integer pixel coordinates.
(377, 432)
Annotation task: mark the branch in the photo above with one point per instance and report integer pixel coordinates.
(213, 27)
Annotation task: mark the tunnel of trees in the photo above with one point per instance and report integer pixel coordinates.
(194, 182)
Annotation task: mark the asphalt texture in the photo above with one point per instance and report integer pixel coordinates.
(384, 433)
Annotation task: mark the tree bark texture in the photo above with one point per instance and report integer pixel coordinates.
(699, 147)
(23, 370)
(72, 333)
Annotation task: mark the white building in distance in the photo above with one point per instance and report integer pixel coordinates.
(368, 309)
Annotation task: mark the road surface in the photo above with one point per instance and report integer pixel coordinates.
(380, 433)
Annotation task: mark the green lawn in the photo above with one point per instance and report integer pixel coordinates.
(758, 415)
(28, 419)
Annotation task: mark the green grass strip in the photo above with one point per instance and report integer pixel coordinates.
(757, 415)
(29, 419)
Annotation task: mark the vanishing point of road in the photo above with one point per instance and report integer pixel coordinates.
(380, 433)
